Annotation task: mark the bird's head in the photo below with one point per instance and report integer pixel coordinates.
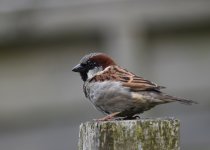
(93, 63)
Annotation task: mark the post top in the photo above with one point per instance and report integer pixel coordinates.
(141, 120)
(139, 134)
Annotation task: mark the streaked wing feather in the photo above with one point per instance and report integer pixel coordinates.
(128, 79)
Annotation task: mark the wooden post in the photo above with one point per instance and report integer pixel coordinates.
(142, 134)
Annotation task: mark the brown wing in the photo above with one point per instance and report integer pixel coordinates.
(128, 79)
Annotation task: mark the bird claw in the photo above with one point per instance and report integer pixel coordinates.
(112, 117)
(109, 117)
(135, 117)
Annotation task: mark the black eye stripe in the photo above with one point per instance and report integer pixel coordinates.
(89, 64)
(83, 65)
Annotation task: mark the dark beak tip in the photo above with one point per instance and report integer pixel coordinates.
(76, 68)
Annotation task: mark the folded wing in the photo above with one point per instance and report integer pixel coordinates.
(128, 79)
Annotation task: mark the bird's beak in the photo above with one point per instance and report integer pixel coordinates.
(78, 68)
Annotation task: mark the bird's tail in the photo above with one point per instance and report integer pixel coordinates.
(169, 98)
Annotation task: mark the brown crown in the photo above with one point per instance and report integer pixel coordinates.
(103, 60)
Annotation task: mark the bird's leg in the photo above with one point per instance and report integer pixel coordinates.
(108, 117)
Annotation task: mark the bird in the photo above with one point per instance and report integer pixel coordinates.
(117, 92)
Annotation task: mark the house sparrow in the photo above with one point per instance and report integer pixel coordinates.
(116, 91)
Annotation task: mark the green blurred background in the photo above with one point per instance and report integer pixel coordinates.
(41, 99)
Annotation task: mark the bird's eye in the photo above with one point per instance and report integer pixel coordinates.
(83, 65)
(90, 63)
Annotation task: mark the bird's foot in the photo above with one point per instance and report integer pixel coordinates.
(108, 117)
(135, 117)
